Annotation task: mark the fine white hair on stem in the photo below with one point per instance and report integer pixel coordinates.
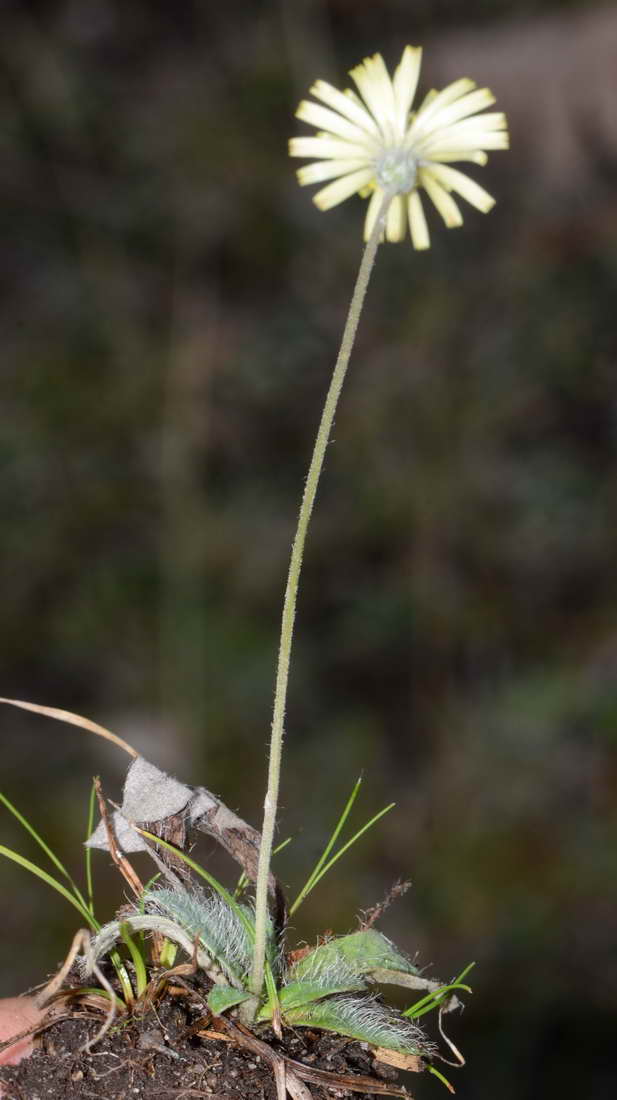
(256, 977)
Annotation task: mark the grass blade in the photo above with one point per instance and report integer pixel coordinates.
(210, 879)
(89, 830)
(244, 880)
(75, 899)
(168, 954)
(308, 886)
(433, 1000)
(440, 1077)
(315, 878)
(58, 864)
(141, 979)
(81, 906)
(123, 976)
(437, 996)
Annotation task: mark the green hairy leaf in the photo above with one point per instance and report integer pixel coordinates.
(207, 917)
(363, 952)
(317, 987)
(222, 997)
(363, 1018)
(296, 994)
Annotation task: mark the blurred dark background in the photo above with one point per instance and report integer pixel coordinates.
(170, 311)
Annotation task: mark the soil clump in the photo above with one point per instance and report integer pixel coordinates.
(162, 1055)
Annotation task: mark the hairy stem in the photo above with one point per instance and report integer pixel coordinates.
(289, 606)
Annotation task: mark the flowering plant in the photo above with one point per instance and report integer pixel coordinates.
(373, 143)
(378, 147)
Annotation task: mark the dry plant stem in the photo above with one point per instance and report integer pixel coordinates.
(73, 720)
(460, 1061)
(120, 860)
(289, 606)
(81, 942)
(49, 991)
(122, 863)
(376, 912)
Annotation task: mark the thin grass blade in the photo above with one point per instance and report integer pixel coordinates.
(123, 976)
(210, 879)
(51, 855)
(89, 829)
(141, 978)
(436, 997)
(433, 1000)
(81, 906)
(308, 886)
(326, 867)
(440, 1077)
(244, 880)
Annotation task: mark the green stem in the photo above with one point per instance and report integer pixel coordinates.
(289, 606)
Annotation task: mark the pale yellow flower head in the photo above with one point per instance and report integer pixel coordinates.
(376, 144)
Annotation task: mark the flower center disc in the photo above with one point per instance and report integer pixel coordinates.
(397, 168)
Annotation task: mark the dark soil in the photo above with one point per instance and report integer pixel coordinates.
(156, 1055)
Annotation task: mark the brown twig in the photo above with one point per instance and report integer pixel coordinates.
(120, 860)
(122, 863)
(370, 916)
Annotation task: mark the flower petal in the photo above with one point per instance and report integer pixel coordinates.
(434, 101)
(455, 141)
(405, 82)
(442, 201)
(480, 129)
(492, 120)
(327, 170)
(396, 220)
(372, 212)
(375, 87)
(417, 222)
(467, 105)
(463, 185)
(472, 156)
(325, 146)
(346, 104)
(333, 123)
(467, 135)
(380, 75)
(342, 188)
